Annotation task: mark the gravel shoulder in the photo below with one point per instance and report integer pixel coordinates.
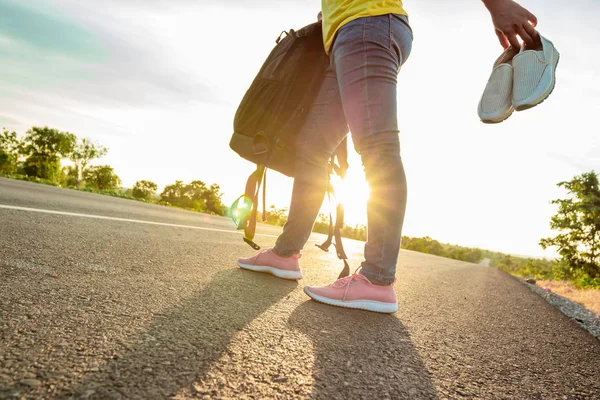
(576, 312)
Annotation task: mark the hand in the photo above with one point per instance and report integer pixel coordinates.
(510, 20)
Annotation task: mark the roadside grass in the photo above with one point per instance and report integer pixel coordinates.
(120, 193)
(589, 298)
(29, 179)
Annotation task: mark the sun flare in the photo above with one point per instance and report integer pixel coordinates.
(353, 192)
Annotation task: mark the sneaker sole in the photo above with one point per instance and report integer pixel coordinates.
(499, 119)
(291, 275)
(367, 305)
(531, 104)
(495, 117)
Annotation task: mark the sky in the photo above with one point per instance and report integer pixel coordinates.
(158, 83)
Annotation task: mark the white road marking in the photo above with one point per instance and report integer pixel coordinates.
(137, 221)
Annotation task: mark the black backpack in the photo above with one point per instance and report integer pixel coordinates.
(269, 118)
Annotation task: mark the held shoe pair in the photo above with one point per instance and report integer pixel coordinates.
(521, 79)
(354, 291)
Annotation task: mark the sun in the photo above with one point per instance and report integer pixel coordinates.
(353, 192)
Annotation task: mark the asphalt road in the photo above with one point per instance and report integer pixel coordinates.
(149, 304)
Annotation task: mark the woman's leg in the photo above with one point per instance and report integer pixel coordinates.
(324, 130)
(367, 56)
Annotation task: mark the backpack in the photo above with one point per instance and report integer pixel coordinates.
(268, 121)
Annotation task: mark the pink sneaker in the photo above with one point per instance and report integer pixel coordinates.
(267, 261)
(355, 291)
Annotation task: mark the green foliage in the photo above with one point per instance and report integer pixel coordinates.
(44, 147)
(212, 200)
(423, 245)
(109, 192)
(70, 176)
(184, 196)
(83, 152)
(101, 177)
(43, 166)
(464, 254)
(322, 224)
(578, 224)
(584, 281)
(9, 151)
(556, 270)
(7, 163)
(29, 179)
(194, 196)
(173, 194)
(48, 142)
(144, 190)
(520, 266)
(358, 232)
(276, 217)
(430, 246)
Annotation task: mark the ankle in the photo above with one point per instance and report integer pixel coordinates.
(376, 282)
(379, 283)
(285, 254)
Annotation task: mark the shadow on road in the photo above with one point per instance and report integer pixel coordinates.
(359, 354)
(181, 346)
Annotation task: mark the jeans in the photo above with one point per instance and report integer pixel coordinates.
(359, 92)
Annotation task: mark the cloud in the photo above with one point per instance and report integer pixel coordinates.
(89, 55)
(48, 31)
(8, 120)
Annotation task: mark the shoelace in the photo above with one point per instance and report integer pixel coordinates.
(261, 252)
(340, 283)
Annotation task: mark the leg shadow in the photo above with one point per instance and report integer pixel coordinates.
(183, 344)
(361, 355)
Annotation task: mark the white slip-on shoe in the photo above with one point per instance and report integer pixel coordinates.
(534, 75)
(496, 102)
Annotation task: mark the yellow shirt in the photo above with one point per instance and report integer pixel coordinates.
(337, 13)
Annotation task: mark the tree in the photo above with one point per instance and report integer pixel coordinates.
(212, 199)
(144, 189)
(44, 167)
(358, 232)
(424, 245)
(578, 224)
(70, 176)
(9, 151)
(44, 147)
(173, 194)
(195, 196)
(275, 216)
(101, 177)
(84, 152)
(474, 256)
(48, 142)
(322, 224)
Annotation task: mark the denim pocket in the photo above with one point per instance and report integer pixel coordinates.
(402, 36)
(404, 20)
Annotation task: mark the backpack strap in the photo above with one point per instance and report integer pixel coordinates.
(339, 247)
(340, 169)
(248, 222)
(341, 153)
(335, 232)
(325, 245)
(264, 199)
